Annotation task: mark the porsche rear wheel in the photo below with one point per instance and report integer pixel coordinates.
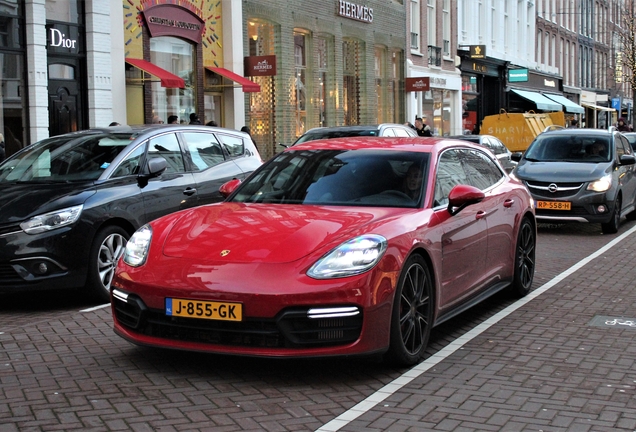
(108, 246)
(412, 314)
(524, 259)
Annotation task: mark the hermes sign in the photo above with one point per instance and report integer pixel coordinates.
(173, 20)
(417, 84)
(355, 11)
(259, 65)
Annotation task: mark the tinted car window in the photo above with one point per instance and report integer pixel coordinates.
(130, 165)
(66, 158)
(450, 173)
(204, 150)
(233, 144)
(481, 172)
(167, 146)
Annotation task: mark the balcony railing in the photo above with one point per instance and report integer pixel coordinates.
(434, 56)
(415, 41)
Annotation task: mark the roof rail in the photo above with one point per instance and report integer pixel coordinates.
(553, 127)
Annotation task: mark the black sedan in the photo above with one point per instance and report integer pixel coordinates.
(69, 203)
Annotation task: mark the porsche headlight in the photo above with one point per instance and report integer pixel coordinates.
(350, 258)
(601, 185)
(52, 220)
(138, 246)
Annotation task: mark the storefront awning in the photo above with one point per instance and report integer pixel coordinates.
(168, 79)
(570, 106)
(542, 102)
(597, 107)
(248, 86)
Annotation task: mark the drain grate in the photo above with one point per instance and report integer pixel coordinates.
(617, 322)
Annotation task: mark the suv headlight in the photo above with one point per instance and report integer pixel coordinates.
(350, 258)
(137, 247)
(52, 220)
(601, 185)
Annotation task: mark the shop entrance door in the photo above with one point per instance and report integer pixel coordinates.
(64, 99)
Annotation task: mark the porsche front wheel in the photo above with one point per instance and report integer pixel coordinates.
(412, 314)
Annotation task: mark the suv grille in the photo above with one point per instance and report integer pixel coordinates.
(541, 189)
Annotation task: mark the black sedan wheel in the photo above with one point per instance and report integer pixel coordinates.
(524, 259)
(412, 315)
(108, 247)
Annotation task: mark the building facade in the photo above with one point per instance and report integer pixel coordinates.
(434, 85)
(338, 64)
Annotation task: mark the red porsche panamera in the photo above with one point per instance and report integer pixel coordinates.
(333, 247)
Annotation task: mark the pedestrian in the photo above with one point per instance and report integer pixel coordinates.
(246, 129)
(622, 126)
(173, 119)
(194, 119)
(421, 128)
(212, 123)
(114, 124)
(3, 153)
(157, 120)
(574, 123)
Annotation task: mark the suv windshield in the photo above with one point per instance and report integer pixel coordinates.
(372, 178)
(569, 148)
(63, 159)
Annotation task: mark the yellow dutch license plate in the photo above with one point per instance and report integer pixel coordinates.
(220, 311)
(554, 205)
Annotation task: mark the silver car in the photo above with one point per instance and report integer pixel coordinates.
(494, 145)
(379, 130)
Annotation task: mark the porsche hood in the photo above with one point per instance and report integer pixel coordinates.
(231, 232)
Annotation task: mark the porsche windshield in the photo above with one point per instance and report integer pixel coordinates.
(377, 178)
(62, 159)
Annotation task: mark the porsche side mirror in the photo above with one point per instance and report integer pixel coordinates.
(227, 188)
(461, 196)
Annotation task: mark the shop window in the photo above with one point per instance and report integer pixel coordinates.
(67, 11)
(381, 84)
(61, 71)
(352, 52)
(178, 57)
(322, 53)
(299, 90)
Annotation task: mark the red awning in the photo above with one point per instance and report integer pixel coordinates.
(248, 86)
(168, 79)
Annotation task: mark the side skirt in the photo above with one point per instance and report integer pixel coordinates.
(472, 302)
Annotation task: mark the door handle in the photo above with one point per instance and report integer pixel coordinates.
(189, 191)
(508, 203)
(480, 214)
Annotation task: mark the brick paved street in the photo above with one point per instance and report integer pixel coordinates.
(544, 367)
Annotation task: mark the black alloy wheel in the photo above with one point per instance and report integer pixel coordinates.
(524, 259)
(412, 316)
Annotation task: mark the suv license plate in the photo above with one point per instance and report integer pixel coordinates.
(220, 311)
(554, 205)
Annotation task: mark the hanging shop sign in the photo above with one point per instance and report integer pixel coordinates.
(477, 51)
(517, 75)
(417, 84)
(259, 65)
(173, 20)
(354, 11)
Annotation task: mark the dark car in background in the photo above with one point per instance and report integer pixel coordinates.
(379, 130)
(495, 145)
(69, 203)
(580, 175)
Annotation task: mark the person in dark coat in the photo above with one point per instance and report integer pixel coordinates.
(622, 126)
(421, 128)
(194, 119)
